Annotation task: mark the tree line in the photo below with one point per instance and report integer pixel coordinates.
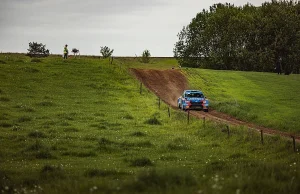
(245, 38)
(39, 50)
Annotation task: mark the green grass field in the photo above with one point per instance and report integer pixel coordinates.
(267, 99)
(81, 125)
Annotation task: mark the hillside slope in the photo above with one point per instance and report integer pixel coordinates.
(267, 99)
(169, 84)
(82, 126)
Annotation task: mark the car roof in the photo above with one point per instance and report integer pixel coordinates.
(192, 91)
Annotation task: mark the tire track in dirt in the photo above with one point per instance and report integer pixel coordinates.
(169, 85)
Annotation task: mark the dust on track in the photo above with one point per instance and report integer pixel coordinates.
(169, 84)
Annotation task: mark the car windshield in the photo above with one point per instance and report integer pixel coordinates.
(194, 95)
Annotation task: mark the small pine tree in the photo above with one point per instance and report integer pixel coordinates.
(37, 50)
(146, 56)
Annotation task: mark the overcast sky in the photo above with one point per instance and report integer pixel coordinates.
(127, 26)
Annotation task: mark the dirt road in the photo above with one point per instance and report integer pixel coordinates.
(169, 85)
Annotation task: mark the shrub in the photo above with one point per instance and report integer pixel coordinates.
(102, 173)
(25, 108)
(36, 146)
(2, 62)
(67, 116)
(16, 128)
(237, 156)
(178, 144)
(106, 145)
(80, 154)
(71, 129)
(126, 145)
(166, 179)
(37, 50)
(144, 144)
(146, 56)
(141, 162)
(168, 158)
(128, 116)
(46, 103)
(52, 172)
(24, 119)
(3, 116)
(5, 125)
(37, 134)
(153, 121)
(28, 109)
(30, 69)
(44, 154)
(103, 141)
(106, 52)
(216, 166)
(138, 134)
(4, 99)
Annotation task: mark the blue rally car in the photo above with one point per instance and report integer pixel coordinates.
(193, 99)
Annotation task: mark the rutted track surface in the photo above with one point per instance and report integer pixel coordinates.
(169, 85)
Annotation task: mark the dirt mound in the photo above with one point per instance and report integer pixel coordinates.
(167, 84)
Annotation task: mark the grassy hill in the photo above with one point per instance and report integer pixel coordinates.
(267, 99)
(81, 125)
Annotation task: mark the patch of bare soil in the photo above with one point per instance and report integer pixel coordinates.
(166, 84)
(169, 85)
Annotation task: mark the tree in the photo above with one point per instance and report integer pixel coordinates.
(37, 50)
(75, 51)
(243, 38)
(106, 52)
(146, 56)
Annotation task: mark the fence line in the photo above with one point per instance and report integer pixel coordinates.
(227, 126)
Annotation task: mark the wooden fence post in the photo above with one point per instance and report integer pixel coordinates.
(228, 131)
(141, 88)
(294, 143)
(169, 113)
(262, 136)
(159, 103)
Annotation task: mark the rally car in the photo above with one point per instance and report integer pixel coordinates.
(193, 99)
